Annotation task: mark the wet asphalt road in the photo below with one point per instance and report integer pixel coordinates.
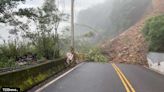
(98, 77)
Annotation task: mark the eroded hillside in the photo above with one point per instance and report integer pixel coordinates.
(130, 46)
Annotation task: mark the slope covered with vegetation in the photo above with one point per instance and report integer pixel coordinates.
(153, 32)
(111, 17)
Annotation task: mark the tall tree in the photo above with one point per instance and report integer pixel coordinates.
(47, 20)
(6, 9)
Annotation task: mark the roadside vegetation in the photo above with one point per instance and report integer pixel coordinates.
(35, 31)
(32, 30)
(88, 51)
(95, 55)
(154, 33)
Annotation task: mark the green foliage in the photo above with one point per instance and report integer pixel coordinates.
(6, 9)
(42, 40)
(115, 16)
(8, 4)
(27, 78)
(89, 34)
(28, 12)
(46, 19)
(154, 33)
(10, 50)
(95, 55)
(5, 62)
(47, 46)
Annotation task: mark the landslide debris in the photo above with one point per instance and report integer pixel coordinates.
(130, 46)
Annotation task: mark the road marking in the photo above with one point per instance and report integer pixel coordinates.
(124, 78)
(56, 79)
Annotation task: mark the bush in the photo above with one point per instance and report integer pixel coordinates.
(4, 62)
(10, 50)
(95, 55)
(154, 33)
(45, 47)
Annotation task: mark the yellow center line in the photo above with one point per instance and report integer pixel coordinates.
(125, 85)
(126, 80)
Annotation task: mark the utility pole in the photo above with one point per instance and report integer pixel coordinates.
(72, 27)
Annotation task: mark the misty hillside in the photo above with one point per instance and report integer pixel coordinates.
(111, 17)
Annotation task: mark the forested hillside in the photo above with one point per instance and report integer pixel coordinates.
(111, 17)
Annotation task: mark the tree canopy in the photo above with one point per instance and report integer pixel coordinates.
(34, 30)
(154, 33)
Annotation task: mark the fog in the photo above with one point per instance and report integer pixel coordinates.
(110, 18)
(106, 19)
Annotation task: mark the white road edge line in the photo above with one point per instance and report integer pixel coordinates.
(56, 79)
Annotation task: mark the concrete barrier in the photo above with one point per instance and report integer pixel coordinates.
(156, 61)
(31, 76)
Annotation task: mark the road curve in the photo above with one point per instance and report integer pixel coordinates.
(99, 77)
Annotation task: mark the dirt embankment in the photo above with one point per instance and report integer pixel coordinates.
(130, 46)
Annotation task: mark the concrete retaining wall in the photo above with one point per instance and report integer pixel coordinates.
(156, 61)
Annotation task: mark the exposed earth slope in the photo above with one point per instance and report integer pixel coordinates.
(130, 46)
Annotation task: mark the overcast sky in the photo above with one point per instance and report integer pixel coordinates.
(80, 4)
(63, 4)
